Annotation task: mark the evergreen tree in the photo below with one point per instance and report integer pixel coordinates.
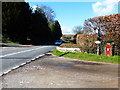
(40, 33)
(16, 21)
(22, 25)
(56, 30)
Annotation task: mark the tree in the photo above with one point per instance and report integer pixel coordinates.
(108, 26)
(49, 13)
(16, 21)
(78, 30)
(22, 25)
(55, 30)
(40, 33)
(58, 32)
(89, 28)
(52, 26)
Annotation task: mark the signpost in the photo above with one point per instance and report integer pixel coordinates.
(98, 47)
(98, 42)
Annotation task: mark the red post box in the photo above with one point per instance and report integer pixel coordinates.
(80, 49)
(107, 49)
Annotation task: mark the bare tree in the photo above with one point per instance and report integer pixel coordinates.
(78, 30)
(49, 13)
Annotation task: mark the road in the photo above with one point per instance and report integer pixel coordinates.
(11, 58)
(52, 71)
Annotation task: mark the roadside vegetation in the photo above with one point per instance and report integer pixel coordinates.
(9, 42)
(70, 45)
(88, 57)
(13, 43)
(22, 24)
(105, 29)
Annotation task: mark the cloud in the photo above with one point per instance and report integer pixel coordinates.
(34, 7)
(104, 7)
(66, 30)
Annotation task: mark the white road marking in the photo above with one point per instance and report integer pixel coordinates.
(20, 52)
(5, 72)
(15, 67)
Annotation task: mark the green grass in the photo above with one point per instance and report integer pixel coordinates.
(88, 57)
(9, 42)
(13, 43)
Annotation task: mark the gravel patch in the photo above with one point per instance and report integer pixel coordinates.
(58, 72)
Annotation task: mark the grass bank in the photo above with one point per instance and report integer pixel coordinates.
(13, 43)
(9, 42)
(88, 57)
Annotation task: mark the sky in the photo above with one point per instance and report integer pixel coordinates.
(74, 13)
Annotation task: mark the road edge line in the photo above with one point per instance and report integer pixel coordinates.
(33, 59)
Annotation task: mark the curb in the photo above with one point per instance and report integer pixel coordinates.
(63, 49)
(4, 73)
(92, 62)
(85, 61)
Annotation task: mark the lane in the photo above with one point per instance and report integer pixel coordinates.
(18, 57)
(16, 49)
(18, 52)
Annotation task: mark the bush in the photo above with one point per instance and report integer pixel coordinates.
(70, 45)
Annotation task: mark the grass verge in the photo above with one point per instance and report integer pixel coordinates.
(88, 57)
(9, 42)
(13, 43)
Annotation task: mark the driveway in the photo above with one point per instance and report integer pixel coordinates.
(52, 71)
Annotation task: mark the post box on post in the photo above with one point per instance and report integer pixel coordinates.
(107, 49)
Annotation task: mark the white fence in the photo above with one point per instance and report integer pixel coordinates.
(63, 49)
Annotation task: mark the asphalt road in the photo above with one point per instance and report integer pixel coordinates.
(52, 71)
(12, 57)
